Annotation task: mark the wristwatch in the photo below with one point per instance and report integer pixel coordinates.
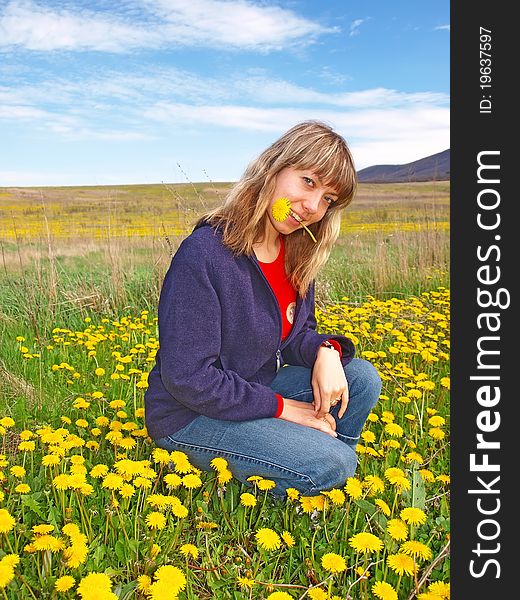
(327, 344)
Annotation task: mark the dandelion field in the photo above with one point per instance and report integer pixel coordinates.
(89, 508)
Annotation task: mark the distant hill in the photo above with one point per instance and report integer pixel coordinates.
(432, 168)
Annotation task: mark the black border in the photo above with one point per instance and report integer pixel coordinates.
(473, 132)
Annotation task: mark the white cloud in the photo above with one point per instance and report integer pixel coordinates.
(238, 23)
(35, 27)
(283, 92)
(392, 136)
(355, 25)
(446, 27)
(234, 24)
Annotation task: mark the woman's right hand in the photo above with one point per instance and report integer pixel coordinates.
(303, 413)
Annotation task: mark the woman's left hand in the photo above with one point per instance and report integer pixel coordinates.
(329, 382)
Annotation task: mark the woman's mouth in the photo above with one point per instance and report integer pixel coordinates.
(295, 219)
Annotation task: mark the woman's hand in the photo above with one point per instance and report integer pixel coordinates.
(329, 382)
(303, 413)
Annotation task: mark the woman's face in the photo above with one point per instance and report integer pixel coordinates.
(308, 196)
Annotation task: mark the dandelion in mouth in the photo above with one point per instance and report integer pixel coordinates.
(281, 209)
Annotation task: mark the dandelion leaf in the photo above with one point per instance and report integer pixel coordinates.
(417, 494)
(120, 550)
(32, 503)
(371, 510)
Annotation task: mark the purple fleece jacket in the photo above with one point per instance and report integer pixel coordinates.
(220, 338)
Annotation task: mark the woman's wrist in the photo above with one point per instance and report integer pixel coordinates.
(332, 345)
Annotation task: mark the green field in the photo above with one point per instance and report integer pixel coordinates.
(86, 502)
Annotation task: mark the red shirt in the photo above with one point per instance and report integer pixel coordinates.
(286, 296)
(283, 290)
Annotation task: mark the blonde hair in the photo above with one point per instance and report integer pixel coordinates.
(309, 145)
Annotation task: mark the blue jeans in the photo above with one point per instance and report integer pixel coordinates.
(293, 456)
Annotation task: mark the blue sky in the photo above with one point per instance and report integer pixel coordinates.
(147, 91)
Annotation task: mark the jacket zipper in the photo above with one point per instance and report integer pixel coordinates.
(254, 260)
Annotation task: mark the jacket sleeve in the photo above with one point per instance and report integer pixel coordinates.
(303, 348)
(189, 344)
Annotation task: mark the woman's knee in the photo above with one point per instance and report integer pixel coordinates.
(336, 466)
(366, 381)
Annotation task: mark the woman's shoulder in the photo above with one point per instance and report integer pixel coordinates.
(202, 244)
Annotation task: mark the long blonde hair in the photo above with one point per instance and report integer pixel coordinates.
(309, 145)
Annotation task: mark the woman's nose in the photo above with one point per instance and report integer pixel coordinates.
(311, 203)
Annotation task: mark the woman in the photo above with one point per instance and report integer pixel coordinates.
(241, 372)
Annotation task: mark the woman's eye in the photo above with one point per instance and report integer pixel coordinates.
(308, 180)
(329, 200)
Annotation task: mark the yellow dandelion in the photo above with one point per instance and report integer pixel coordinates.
(288, 539)
(26, 446)
(219, 464)
(397, 529)
(116, 404)
(161, 456)
(191, 481)
(383, 506)
(436, 421)
(266, 484)
(112, 481)
(64, 584)
(368, 437)
(96, 585)
(156, 520)
(427, 475)
(22, 488)
(292, 493)
(48, 542)
(189, 550)
(354, 488)
(127, 490)
(384, 591)
(279, 596)
(333, 563)
(224, 476)
(142, 483)
(281, 209)
(445, 382)
(17, 471)
(374, 485)
(247, 499)
(416, 549)
(143, 583)
(268, 539)
(7, 522)
(365, 542)
(336, 496)
(440, 588)
(172, 480)
(207, 525)
(436, 433)
(307, 504)
(318, 594)
(42, 529)
(169, 582)
(394, 430)
(413, 516)
(245, 582)
(98, 471)
(446, 479)
(6, 574)
(178, 509)
(402, 564)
